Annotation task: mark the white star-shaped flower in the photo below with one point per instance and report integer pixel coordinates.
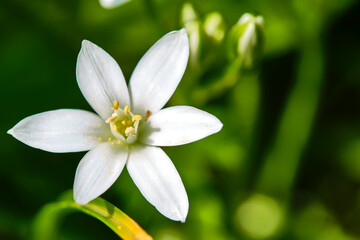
(129, 127)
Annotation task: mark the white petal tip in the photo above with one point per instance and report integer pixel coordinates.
(181, 216)
(180, 33)
(80, 201)
(10, 132)
(85, 46)
(85, 43)
(183, 31)
(217, 125)
(220, 126)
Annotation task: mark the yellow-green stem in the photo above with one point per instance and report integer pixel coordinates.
(49, 218)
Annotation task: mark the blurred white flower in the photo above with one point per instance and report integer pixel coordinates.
(112, 3)
(129, 126)
(214, 26)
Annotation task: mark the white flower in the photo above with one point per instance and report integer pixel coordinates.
(112, 3)
(129, 126)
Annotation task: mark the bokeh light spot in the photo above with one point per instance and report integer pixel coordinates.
(259, 217)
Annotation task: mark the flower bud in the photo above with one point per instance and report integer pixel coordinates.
(188, 14)
(214, 26)
(245, 40)
(190, 19)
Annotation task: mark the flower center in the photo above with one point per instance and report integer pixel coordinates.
(123, 124)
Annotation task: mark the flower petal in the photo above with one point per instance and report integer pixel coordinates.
(63, 130)
(112, 3)
(100, 79)
(158, 73)
(98, 170)
(178, 125)
(157, 179)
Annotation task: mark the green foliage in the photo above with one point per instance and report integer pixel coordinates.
(284, 166)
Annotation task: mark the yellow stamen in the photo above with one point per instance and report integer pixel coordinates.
(116, 105)
(114, 127)
(136, 117)
(111, 119)
(147, 115)
(99, 139)
(127, 110)
(123, 122)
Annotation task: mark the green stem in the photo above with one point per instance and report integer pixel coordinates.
(230, 77)
(244, 112)
(48, 220)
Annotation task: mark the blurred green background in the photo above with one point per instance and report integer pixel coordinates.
(286, 164)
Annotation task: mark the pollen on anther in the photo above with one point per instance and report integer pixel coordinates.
(127, 110)
(114, 127)
(147, 115)
(116, 105)
(111, 119)
(136, 117)
(123, 122)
